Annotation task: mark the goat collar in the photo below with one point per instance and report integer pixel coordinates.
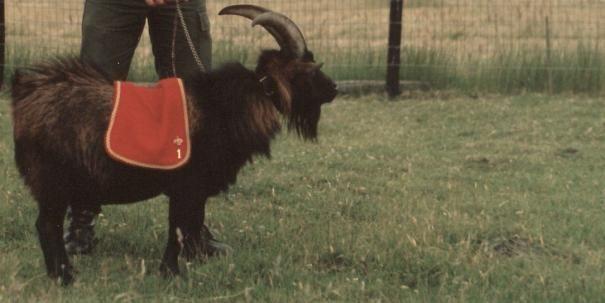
(268, 84)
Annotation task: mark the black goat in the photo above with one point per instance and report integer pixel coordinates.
(61, 112)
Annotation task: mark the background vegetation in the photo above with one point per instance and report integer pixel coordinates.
(473, 45)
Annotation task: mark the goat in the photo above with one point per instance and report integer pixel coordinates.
(61, 110)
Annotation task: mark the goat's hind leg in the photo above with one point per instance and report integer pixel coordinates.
(50, 233)
(51, 190)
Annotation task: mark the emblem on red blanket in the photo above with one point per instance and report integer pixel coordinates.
(149, 126)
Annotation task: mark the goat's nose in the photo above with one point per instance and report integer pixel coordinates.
(335, 91)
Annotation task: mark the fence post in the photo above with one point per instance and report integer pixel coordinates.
(548, 58)
(394, 53)
(2, 42)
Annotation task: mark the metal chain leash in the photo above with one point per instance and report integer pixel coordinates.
(196, 57)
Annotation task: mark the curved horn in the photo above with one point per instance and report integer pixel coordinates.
(284, 30)
(251, 12)
(244, 10)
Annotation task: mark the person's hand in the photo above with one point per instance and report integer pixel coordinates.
(161, 2)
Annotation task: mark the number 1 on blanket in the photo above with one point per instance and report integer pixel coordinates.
(178, 141)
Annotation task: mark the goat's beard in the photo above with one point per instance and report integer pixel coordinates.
(304, 118)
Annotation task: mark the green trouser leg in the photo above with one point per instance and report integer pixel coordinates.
(111, 30)
(161, 28)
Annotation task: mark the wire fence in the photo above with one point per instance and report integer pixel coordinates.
(445, 42)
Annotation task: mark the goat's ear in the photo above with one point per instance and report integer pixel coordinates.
(308, 67)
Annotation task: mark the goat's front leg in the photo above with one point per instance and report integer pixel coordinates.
(185, 218)
(50, 233)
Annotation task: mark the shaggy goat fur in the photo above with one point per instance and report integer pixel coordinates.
(61, 111)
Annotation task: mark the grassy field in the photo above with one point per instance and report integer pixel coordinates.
(440, 199)
(473, 45)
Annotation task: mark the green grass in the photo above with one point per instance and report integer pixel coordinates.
(421, 200)
(509, 72)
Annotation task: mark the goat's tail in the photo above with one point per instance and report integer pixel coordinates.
(27, 81)
(19, 85)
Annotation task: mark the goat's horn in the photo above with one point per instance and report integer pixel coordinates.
(244, 10)
(284, 30)
(251, 12)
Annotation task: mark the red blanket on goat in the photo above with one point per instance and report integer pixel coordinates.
(149, 126)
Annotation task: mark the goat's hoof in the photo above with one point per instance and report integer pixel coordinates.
(168, 271)
(65, 277)
(218, 249)
(205, 246)
(66, 280)
(211, 248)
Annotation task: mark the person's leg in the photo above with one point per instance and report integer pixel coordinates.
(111, 30)
(161, 24)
